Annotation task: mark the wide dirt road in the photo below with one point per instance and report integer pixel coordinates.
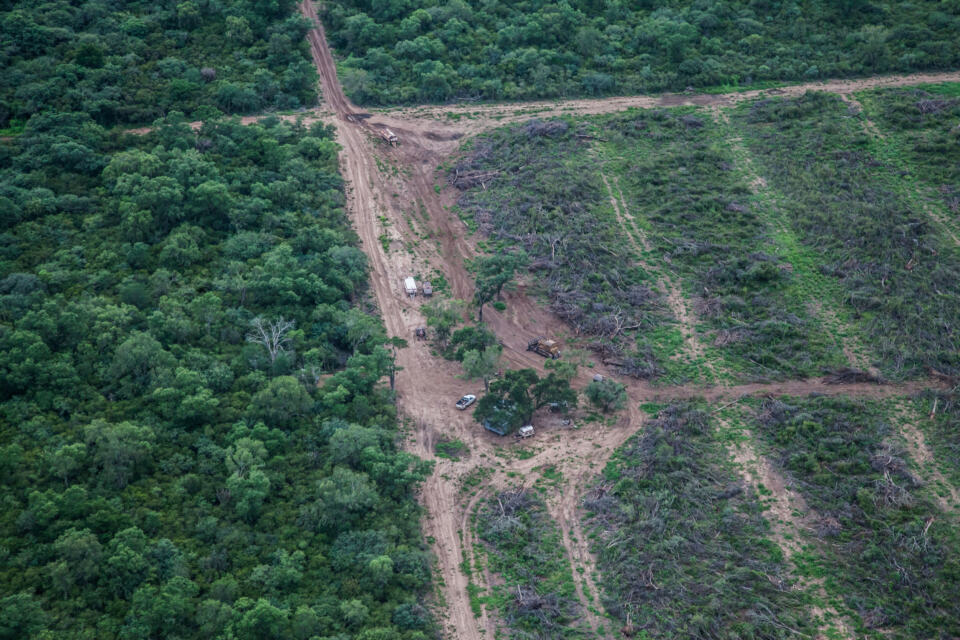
(401, 213)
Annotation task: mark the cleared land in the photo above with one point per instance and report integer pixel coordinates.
(390, 190)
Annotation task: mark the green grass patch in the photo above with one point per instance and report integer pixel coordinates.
(845, 201)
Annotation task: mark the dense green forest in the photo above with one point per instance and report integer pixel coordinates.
(132, 62)
(401, 51)
(195, 439)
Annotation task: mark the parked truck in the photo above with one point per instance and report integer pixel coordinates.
(410, 286)
(427, 290)
(546, 348)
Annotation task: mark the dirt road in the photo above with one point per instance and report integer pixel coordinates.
(402, 215)
(485, 115)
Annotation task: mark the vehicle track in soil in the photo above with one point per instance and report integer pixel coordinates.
(378, 202)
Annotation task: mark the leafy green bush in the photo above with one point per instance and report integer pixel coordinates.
(682, 546)
(607, 395)
(451, 449)
(888, 549)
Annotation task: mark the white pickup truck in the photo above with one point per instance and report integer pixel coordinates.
(466, 401)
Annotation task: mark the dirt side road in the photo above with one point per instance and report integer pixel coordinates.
(485, 115)
(406, 228)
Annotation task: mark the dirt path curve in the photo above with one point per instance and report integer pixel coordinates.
(407, 204)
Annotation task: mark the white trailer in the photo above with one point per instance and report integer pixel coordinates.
(410, 286)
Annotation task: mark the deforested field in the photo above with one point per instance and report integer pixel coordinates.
(775, 239)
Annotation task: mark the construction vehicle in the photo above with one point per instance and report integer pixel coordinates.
(525, 431)
(390, 137)
(421, 333)
(427, 290)
(410, 286)
(546, 348)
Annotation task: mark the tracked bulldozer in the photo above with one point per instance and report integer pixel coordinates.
(546, 348)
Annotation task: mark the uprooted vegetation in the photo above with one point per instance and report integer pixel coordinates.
(537, 598)
(534, 186)
(678, 174)
(682, 545)
(927, 124)
(943, 409)
(901, 278)
(887, 550)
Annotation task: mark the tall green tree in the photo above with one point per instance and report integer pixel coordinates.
(493, 274)
(510, 403)
(482, 365)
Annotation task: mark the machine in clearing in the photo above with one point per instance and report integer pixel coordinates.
(546, 348)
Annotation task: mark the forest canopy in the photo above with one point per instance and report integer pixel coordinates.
(132, 62)
(194, 438)
(405, 51)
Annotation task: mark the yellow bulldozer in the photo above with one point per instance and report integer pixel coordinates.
(546, 348)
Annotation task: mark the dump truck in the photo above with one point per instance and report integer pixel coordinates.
(410, 286)
(390, 137)
(427, 290)
(546, 348)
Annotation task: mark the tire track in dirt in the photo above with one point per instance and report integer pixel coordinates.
(789, 516)
(857, 109)
(674, 297)
(924, 462)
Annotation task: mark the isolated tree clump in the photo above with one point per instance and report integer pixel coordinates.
(607, 395)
